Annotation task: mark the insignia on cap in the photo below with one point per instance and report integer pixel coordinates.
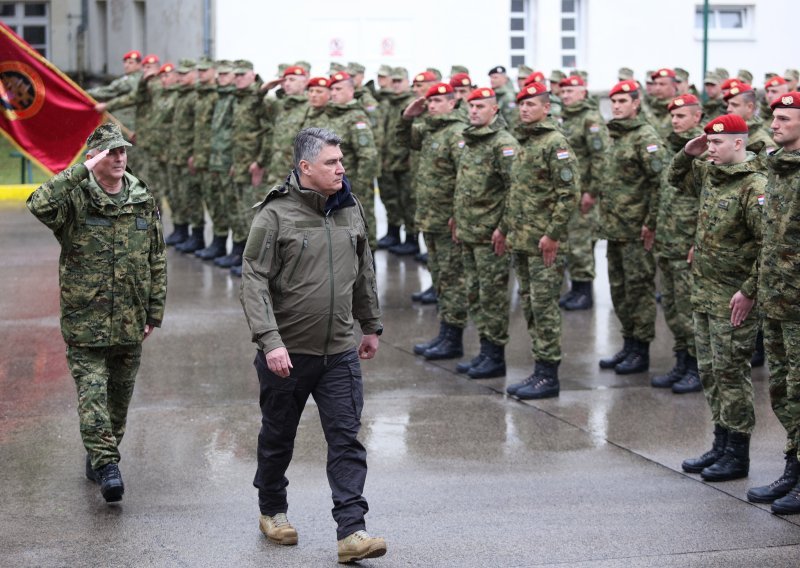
(419, 77)
(323, 82)
(787, 100)
(678, 102)
(573, 82)
(773, 83)
(442, 89)
(298, 71)
(338, 76)
(734, 91)
(626, 87)
(718, 127)
(486, 93)
(663, 73)
(465, 81)
(531, 90)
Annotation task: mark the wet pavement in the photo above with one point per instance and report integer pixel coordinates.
(460, 474)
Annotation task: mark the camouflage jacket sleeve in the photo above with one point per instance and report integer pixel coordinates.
(268, 118)
(409, 133)
(52, 203)
(653, 157)
(598, 140)
(260, 264)
(118, 87)
(565, 181)
(505, 153)
(754, 214)
(366, 307)
(681, 174)
(131, 98)
(158, 274)
(366, 156)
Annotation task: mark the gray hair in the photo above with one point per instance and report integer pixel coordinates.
(309, 142)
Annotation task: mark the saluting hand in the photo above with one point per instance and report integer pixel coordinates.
(92, 162)
(696, 146)
(416, 108)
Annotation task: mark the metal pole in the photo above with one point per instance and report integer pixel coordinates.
(705, 46)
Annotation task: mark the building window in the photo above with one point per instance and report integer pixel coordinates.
(725, 22)
(31, 21)
(518, 30)
(570, 29)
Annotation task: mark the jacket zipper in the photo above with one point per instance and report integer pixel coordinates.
(299, 257)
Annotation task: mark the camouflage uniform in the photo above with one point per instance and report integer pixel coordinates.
(661, 118)
(207, 96)
(440, 141)
(482, 184)
(222, 202)
(758, 133)
(289, 112)
(714, 108)
(186, 206)
(507, 101)
(630, 201)
(112, 276)
(587, 134)
(677, 221)
(117, 88)
(352, 124)
(162, 174)
(778, 291)
(395, 182)
(544, 193)
(726, 249)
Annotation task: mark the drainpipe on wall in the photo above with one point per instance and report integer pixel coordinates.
(81, 41)
(207, 28)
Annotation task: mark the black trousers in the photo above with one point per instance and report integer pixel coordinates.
(335, 383)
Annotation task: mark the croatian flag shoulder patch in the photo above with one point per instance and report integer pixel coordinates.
(761, 199)
(361, 125)
(508, 151)
(562, 154)
(652, 148)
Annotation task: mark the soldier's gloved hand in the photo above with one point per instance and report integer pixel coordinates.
(92, 162)
(696, 146)
(278, 362)
(740, 308)
(416, 108)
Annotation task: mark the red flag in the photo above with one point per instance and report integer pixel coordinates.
(44, 114)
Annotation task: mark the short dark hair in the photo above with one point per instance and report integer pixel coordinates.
(309, 142)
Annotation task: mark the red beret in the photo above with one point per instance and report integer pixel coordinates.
(624, 87)
(789, 100)
(775, 81)
(152, 58)
(460, 80)
(727, 124)
(166, 68)
(482, 93)
(133, 54)
(531, 90)
(737, 89)
(682, 101)
(729, 83)
(663, 72)
(338, 77)
(295, 70)
(439, 89)
(424, 77)
(535, 77)
(319, 82)
(572, 81)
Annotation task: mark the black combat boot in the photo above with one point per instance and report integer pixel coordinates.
(781, 486)
(562, 301)
(493, 365)
(195, 242)
(214, 250)
(421, 257)
(420, 348)
(417, 296)
(690, 382)
(391, 238)
(735, 460)
(789, 504)
(676, 373)
(180, 234)
(232, 259)
(545, 384)
(581, 297)
(475, 361)
(619, 356)
(236, 271)
(696, 465)
(429, 297)
(111, 485)
(637, 361)
(758, 358)
(450, 347)
(410, 247)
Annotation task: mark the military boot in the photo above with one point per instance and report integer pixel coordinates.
(758, 358)
(475, 361)
(562, 301)
(232, 259)
(411, 246)
(278, 529)
(781, 486)
(619, 356)
(493, 365)
(545, 384)
(391, 238)
(417, 296)
(421, 257)
(214, 250)
(637, 361)
(735, 461)
(359, 546)
(581, 298)
(690, 382)
(789, 504)
(180, 234)
(420, 348)
(450, 347)
(195, 242)
(696, 465)
(236, 271)
(111, 485)
(676, 373)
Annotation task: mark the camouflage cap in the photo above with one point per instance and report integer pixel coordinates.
(745, 76)
(722, 73)
(385, 71)
(582, 73)
(185, 65)
(681, 74)
(649, 77)
(304, 64)
(224, 66)
(204, 63)
(712, 78)
(625, 73)
(335, 68)
(242, 66)
(769, 75)
(556, 75)
(791, 75)
(456, 69)
(281, 68)
(523, 71)
(399, 73)
(354, 68)
(106, 137)
(436, 73)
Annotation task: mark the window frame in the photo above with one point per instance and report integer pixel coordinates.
(20, 21)
(718, 33)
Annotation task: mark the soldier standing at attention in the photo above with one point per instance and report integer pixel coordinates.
(774, 88)
(741, 100)
(504, 91)
(587, 134)
(779, 296)
(544, 193)
(677, 220)
(715, 105)
(483, 181)
(628, 214)
(439, 140)
(161, 174)
(730, 186)
(318, 90)
(113, 280)
(289, 112)
(665, 88)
